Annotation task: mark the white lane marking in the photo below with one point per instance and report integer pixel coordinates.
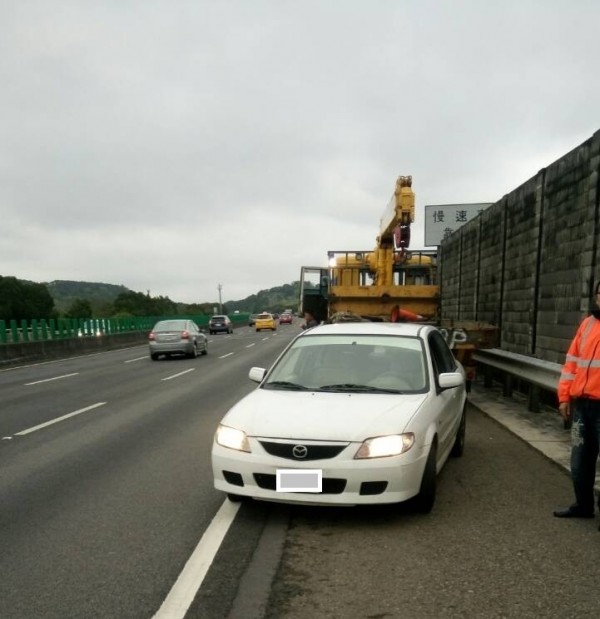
(52, 421)
(265, 339)
(184, 591)
(180, 374)
(94, 354)
(250, 345)
(227, 355)
(136, 359)
(47, 380)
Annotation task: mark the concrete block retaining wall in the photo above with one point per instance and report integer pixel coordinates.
(529, 262)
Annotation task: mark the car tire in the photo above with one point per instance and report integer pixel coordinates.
(194, 353)
(205, 350)
(425, 500)
(154, 356)
(459, 442)
(236, 498)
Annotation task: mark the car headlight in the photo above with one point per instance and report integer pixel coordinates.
(232, 438)
(382, 446)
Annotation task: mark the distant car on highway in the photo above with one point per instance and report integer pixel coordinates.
(265, 321)
(350, 413)
(94, 326)
(286, 318)
(220, 324)
(177, 337)
(252, 319)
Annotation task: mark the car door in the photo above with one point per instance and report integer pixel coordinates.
(195, 334)
(448, 402)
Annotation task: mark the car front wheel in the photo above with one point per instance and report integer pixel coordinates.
(459, 442)
(426, 498)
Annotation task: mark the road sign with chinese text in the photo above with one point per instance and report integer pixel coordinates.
(441, 220)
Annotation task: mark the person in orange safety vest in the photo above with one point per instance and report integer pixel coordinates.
(579, 405)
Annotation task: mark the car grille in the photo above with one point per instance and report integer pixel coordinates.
(330, 485)
(313, 452)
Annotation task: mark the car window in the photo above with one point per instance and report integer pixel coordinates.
(264, 317)
(443, 359)
(170, 325)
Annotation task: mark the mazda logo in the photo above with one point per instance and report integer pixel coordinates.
(300, 451)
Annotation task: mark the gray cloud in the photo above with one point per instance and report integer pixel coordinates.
(173, 147)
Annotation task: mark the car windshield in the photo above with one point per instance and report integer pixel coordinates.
(351, 363)
(218, 317)
(264, 317)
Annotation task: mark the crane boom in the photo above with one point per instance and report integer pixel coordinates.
(394, 225)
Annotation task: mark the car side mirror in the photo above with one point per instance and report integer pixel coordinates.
(257, 374)
(448, 380)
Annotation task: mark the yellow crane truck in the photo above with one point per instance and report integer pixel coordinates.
(389, 283)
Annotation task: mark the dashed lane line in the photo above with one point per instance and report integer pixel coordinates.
(179, 374)
(58, 419)
(47, 380)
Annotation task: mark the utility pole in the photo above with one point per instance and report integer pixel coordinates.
(219, 288)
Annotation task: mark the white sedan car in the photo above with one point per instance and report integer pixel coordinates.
(350, 413)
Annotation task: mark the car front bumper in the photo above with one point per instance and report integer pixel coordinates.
(345, 481)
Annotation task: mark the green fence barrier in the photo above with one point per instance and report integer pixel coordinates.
(41, 329)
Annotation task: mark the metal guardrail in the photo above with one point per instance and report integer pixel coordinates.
(512, 367)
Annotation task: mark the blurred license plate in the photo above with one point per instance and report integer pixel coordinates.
(299, 480)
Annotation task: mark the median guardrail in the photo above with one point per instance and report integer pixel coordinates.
(36, 340)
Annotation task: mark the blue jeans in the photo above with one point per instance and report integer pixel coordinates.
(585, 439)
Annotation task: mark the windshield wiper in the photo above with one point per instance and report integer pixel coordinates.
(284, 384)
(358, 388)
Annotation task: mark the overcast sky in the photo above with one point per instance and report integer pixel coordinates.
(172, 146)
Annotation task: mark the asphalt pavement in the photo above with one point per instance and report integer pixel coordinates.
(544, 430)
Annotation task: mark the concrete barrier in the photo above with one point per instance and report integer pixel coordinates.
(47, 350)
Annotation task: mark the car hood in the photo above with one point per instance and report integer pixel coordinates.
(322, 415)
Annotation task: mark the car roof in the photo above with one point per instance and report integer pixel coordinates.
(370, 328)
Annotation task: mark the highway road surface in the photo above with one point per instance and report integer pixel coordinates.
(107, 510)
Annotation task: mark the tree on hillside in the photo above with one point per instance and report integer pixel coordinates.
(80, 308)
(21, 300)
(197, 308)
(139, 304)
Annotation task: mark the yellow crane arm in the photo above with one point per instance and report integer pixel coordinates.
(400, 211)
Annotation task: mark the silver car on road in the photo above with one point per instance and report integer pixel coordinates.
(177, 337)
